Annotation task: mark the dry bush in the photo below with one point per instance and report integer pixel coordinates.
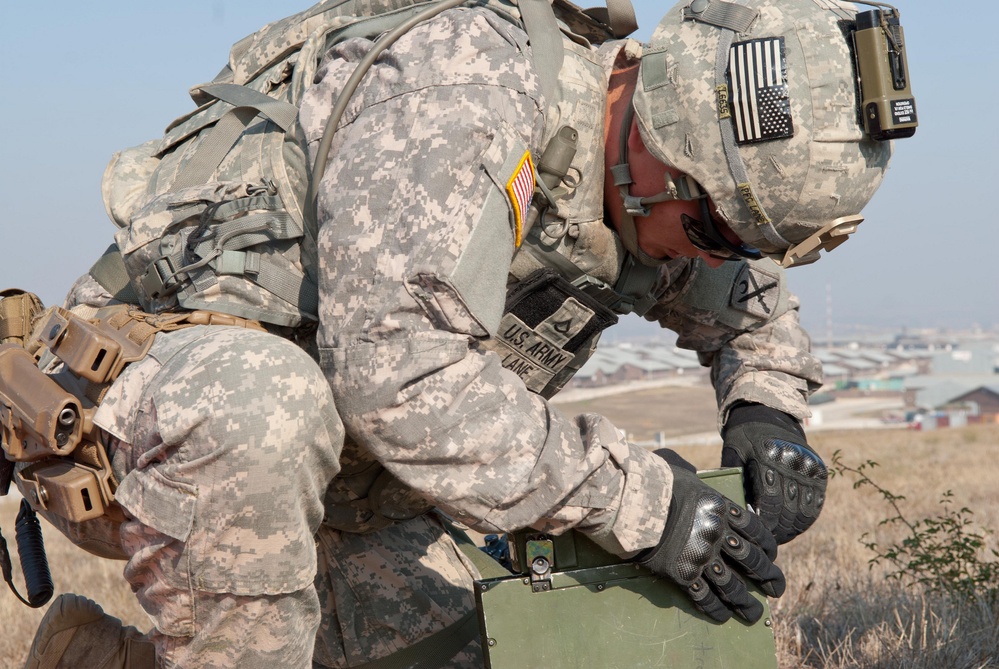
(839, 611)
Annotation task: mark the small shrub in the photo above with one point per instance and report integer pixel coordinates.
(944, 553)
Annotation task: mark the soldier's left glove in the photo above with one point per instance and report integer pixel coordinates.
(785, 480)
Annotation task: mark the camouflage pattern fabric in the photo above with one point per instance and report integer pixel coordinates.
(416, 244)
(377, 592)
(414, 259)
(383, 591)
(224, 440)
(762, 354)
(795, 185)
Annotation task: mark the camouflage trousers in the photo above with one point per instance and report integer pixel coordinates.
(224, 441)
(386, 590)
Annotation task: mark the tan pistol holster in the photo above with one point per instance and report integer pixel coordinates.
(46, 419)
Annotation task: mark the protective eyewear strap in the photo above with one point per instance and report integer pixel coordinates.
(735, 164)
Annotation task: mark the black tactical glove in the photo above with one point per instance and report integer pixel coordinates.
(706, 536)
(785, 479)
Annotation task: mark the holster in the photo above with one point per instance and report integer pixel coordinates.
(47, 426)
(46, 419)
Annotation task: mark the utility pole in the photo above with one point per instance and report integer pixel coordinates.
(829, 321)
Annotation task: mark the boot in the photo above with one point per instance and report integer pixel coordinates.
(76, 634)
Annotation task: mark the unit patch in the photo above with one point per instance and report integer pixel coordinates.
(547, 325)
(520, 189)
(761, 106)
(756, 292)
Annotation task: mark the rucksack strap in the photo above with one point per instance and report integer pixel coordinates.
(543, 32)
(110, 272)
(546, 44)
(247, 105)
(618, 15)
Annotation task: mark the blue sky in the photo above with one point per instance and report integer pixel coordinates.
(83, 80)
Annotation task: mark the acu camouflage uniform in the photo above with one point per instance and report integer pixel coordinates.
(417, 259)
(418, 264)
(224, 440)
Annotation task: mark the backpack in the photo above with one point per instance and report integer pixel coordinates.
(216, 214)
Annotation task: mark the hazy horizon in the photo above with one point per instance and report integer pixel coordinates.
(86, 80)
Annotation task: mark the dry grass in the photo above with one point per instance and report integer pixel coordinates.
(839, 613)
(73, 570)
(674, 410)
(836, 613)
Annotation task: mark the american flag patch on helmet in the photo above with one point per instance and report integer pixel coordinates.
(760, 104)
(520, 188)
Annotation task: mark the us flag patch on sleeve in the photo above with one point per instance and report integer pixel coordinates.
(759, 100)
(520, 188)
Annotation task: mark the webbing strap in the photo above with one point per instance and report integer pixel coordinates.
(371, 27)
(546, 44)
(732, 156)
(286, 285)
(224, 251)
(282, 113)
(621, 18)
(631, 293)
(110, 272)
(248, 103)
(215, 147)
(618, 17)
(636, 281)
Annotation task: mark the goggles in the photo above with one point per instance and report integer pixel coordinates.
(705, 235)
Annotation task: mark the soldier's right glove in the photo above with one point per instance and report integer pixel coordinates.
(785, 479)
(710, 544)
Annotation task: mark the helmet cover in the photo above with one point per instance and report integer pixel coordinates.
(762, 111)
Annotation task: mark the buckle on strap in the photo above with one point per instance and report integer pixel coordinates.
(160, 279)
(825, 239)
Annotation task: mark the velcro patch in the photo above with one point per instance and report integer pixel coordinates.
(760, 102)
(548, 322)
(520, 189)
(755, 292)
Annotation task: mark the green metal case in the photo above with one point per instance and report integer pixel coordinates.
(589, 609)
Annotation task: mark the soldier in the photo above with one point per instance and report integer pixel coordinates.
(446, 319)
(223, 440)
(671, 176)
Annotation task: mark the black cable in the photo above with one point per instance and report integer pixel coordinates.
(34, 563)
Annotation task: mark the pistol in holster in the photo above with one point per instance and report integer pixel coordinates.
(50, 428)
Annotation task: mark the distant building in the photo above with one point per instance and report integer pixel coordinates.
(623, 363)
(983, 400)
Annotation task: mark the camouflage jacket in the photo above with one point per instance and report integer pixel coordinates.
(417, 265)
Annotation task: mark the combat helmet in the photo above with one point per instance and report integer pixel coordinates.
(758, 103)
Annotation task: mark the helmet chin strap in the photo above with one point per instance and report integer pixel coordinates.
(684, 188)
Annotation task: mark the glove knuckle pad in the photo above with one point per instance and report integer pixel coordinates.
(794, 458)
